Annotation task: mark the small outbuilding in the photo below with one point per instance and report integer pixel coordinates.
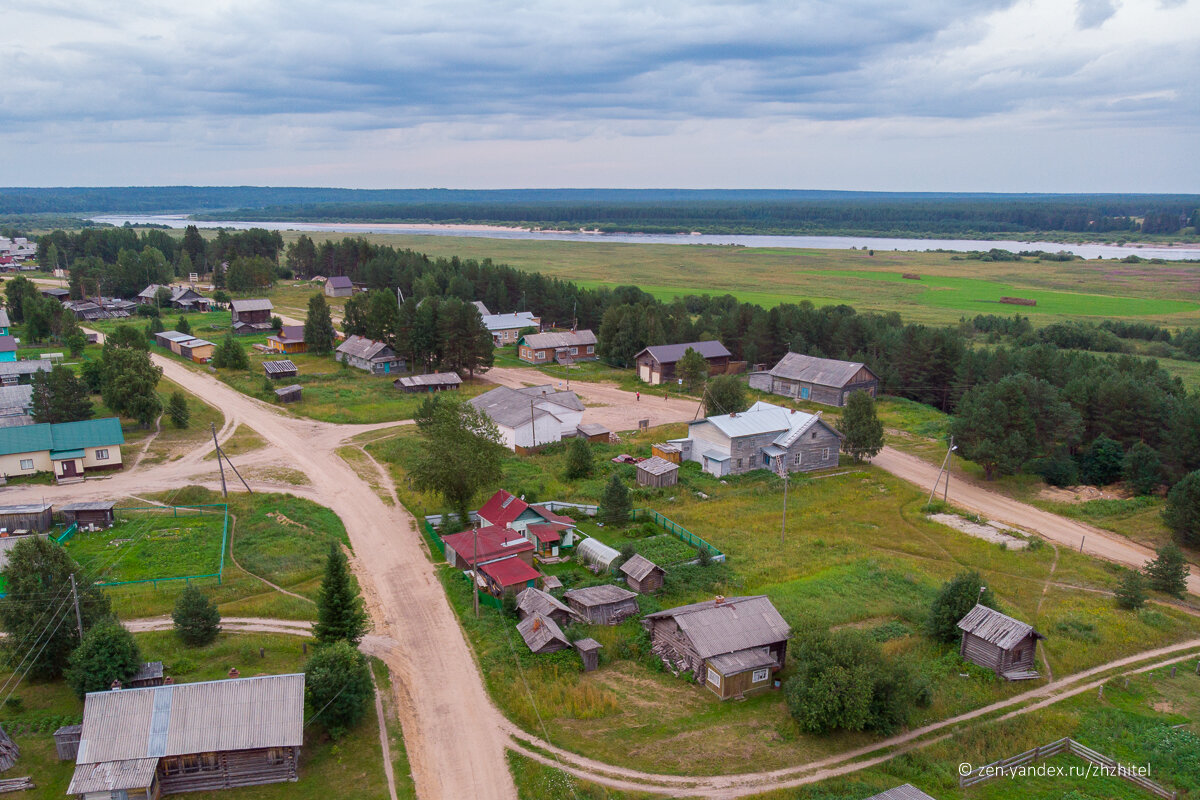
(905, 791)
(433, 382)
(339, 286)
(508, 576)
(150, 674)
(542, 634)
(593, 432)
(534, 601)
(1000, 643)
(290, 394)
(276, 370)
(66, 742)
(30, 517)
(589, 653)
(667, 452)
(90, 516)
(658, 472)
(602, 605)
(642, 575)
(596, 554)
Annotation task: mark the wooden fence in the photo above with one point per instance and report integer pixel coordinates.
(1111, 766)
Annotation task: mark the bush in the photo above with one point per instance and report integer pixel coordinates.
(197, 621)
(1182, 511)
(955, 599)
(337, 685)
(1103, 462)
(177, 409)
(1168, 573)
(107, 653)
(579, 459)
(1131, 592)
(1142, 469)
(615, 505)
(1060, 470)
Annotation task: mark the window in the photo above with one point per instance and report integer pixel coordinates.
(739, 463)
(824, 453)
(26, 463)
(753, 460)
(102, 454)
(796, 460)
(591, 348)
(714, 677)
(169, 766)
(276, 756)
(574, 351)
(760, 675)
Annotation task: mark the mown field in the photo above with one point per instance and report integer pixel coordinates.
(151, 545)
(858, 553)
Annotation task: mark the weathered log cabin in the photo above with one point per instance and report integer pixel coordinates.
(602, 605)
(280, 368)
(290, 394)
(251, 315)
(30, 517)
(731, 645)
(433, 382)
(542, 634)
(656, 364)
(642, 575)
(93, 516)
(213, 736)
(534, 601)
(821, 380)
(1000, 643)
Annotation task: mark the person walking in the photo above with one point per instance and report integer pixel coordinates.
(639, 396)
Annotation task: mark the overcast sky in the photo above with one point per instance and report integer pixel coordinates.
(905, 95)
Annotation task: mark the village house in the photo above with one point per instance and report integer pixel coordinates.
(56, 293)
(656, 364)
(542, 634)
(339, 286)
(21, 372)
(821, 380)
(508, 576)
(506, 328)
(731, 645)
(540, 525)
(252, 315)
(8, 348)
(290, 339)
(467, 548)
(374, 357)
(433, 382)
(565, 348)
(68, 449)
(4, 323)
(535, 601)
(188, 737)
(1000, 643)
(765, 436)
(198, 350)
(532, 416)
(642, 575)
(602, 605)
(182, 297)
(481, 307)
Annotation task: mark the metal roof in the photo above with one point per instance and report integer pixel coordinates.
(492, 542)
(502, 508)
(821, 371)
(288, 334)
(174, 336)
(507, 322)
(172, 720)
(113, 776)
(279, 367)
(760, 418)
(594, 551)
(657, 466)
(587, 645)
(16, 399)
(362, 347)
(514, 408)
(95, 505)
(483, 309)
(24, 508)
(742, 661)
(61, 436)
(592, 429)
(251, 304)
(904, 792)
(996, 628)
(638, 567)
(194, 343)
(295, 387)
(510, 571)
(535, 601)
(541, 341)
(8, 344)
(734, 624)
(671, 353)
(547, 532)
(340, 282)
(4, 323)
(432, 379)
(599, 595)
(538, 631)
(24, 367)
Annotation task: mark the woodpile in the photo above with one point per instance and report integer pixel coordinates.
(1018, 301)
(15, 784)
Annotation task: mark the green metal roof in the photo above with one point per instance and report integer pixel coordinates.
(62, 455)
(64, 436)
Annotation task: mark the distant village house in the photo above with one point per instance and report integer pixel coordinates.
(765, 436)
(252, 315)
(532, 416)
(657, 364)
(365, 354)
(821, 380)
(290, 339)
(506, 328)
(563, 348)
(68, 449)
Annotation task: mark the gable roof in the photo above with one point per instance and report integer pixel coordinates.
(736, 623)
(535, 601)
(289, 333)
(509, 571)
(340, 282)
(538, 631)
(8, 344)
(671, 353)
(61, 436)
(551, 516)
(251, 304)
(494, 542)
(505, 322)
(656, 465)
(760, 418)
(502, 508)
(429, 379)
(4, 323)
(541, 341)
(821, 371)
(174, 336)
(599, 595)
(514, 408)
(905, 791)
(996, 628)
(236, 714)
(483, 309)
(279, 367)
(15, 399)
(362, 347)
(638, 567)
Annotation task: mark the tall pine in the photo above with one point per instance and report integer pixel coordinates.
(340, 615)
(318, 326)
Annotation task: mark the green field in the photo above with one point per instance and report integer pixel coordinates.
(151, 545)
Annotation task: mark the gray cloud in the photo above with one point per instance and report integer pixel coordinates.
(1094, 13)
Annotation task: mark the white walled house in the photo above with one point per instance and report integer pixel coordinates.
(532, 416)
(765, 436)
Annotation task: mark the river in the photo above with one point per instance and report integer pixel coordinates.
(805, 242)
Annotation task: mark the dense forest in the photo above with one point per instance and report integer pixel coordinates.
(711, 211)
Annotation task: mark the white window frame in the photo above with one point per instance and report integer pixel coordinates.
(796, 460)
(760, 675)
(714, 677)
(574, 351)
(102, 454)
(825, 454)
(26, 463)
(591, 348)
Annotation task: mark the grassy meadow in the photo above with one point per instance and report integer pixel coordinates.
(152, 544)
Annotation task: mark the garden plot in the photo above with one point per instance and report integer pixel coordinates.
(152, 546)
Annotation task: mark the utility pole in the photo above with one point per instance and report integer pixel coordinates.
(949, 464)
(475, 569)
(783, 473)
(224, 490)
(78, 616)
(532, 423)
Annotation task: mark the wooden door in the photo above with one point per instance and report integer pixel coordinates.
(68, 468)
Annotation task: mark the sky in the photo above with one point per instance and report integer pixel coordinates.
(890, 95)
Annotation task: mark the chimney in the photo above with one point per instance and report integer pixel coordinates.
(167, 681)
(719, 600)
(233, 672)
(116, 686)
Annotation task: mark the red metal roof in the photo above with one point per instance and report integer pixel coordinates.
(492, 543)
(547, 533)
(550, 516)
(502, 508)
(510, 572)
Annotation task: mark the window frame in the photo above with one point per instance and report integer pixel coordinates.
(713, 674)
(26, 463)
(102, 454)
(765, 674)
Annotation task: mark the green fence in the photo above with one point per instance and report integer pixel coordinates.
(433, 536)
(676, 529)
(68, 533)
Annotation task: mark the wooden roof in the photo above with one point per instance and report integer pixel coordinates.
(535, 601)
(279, 367)
(728, 626)
(538, 631)
(996, 628)
(657, 466)
(599, 595)
(639, 567)
(542, 341)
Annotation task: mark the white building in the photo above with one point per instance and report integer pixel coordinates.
(532, 416)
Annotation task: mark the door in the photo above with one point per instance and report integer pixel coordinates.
(68, 468)
(645, 370)
(803, 392)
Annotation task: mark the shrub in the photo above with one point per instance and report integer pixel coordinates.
(579, 459)
(1131, 591)
(1103, 462)
(107, 653)
(1059, 470)
(197, 621)
(337, 685)
(955, 599)
(1182, 511)
(1168, 573)
(1142, 469)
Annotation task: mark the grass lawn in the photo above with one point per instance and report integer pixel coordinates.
(858, 553)
(243, 440)
(535, 781)
(151, 544)
(327, 766)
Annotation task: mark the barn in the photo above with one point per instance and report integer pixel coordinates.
(275, 370)
(339, 286)
(534, 601)
(92, 516)
(290, 394)
(1000, 643)
(642, 575)
(656, 364)
(602, 605)
(821, 380)
(433, 382)
(659, 472)
(27, 518)
(542, 634)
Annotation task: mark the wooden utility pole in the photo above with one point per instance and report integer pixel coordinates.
(949, 464)
(475, 569)
(78, 616)
(224, 489)
(783, 473)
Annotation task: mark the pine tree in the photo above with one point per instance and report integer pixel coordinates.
(615, 505)
(177, 409)
(59, 396)
(197, 620)
(340, 615)
(1131, 591)
(318, 326)
(1168, 573)
(1182, 511)
(182, 325)
(230, 355)
(861, 427)
(579, 458)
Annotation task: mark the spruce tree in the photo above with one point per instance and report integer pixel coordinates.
(182, 325)
(340, 615)
(177, 409)
(956, 598)
(1131, 591)
(861, 427)
(1168, 573)
(579, 458)
(318, 326)
(230, 355)
(197, 621)
(337, 685)
(615, 505)
(692, 369)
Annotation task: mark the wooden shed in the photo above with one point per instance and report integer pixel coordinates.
(589, 653)
(151, 674)
(593, 432)
(542, 634)
(535, 601)
(1000, 643)
(642, 575)
(290, 394)
(602, 605)
(28, 517)
(667, 452)
(66, 742)
(659, 472)
(284, 368)
(433, 382)
(90, 516)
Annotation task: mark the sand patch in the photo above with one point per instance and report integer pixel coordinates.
(995, 532)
